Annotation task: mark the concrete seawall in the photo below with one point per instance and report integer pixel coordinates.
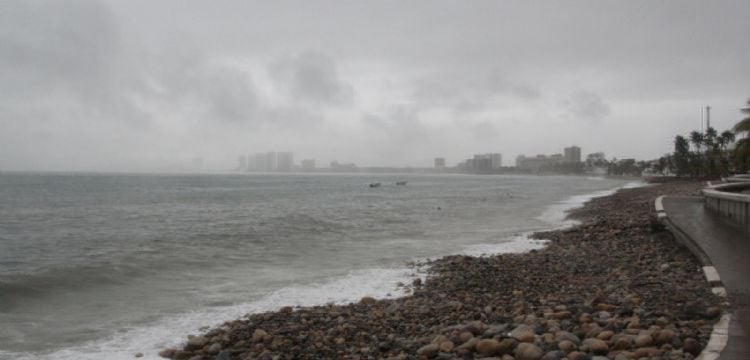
(727, 200)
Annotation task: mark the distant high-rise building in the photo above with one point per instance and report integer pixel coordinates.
(572, 154)
(497, 160)
(308, 164)
(265, 161)
(284, 161)
(439, 163)
(270, 161)
(481, 163)
(242, 163)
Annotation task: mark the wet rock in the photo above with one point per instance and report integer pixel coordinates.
(564, 335)
(566, 346)
(488, 347)
(605, 335)
(691, 346)
(446, 346)
(526, 351)
(214, 348)
(259, 335)
(553, 355)
(665, 336)
(429, 351)
(368, 300)
(595, 346)
(643, 341)
(196, 342)
(507, 346)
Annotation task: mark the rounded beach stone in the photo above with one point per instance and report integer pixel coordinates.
(576, 355)
(214, 348)
(665, 336)
(367, 300)
(259, 335)
(553, 355)
(566, 346)
(447, 346)
(429, 350)
(643, 341)
(692, 346)
(621, 342)
(605, 335)
(469, 345)
(465, 336)
(507, 346)
(564, 335)
(596, 346)
(196, 342)
(647, 352)
(526, 351)
(488, 347)
(525, 336)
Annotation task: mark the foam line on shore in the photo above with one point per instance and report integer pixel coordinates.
(557, 214)
(171, 331)
(379, 283)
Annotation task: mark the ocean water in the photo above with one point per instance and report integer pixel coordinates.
(97, 266)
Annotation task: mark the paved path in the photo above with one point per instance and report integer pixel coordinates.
(727, 247)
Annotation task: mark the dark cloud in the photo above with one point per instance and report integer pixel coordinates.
(313, 77)
(131, 81)
(470, 92)
(587, 106)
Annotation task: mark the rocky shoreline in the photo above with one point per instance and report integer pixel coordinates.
(617, 286)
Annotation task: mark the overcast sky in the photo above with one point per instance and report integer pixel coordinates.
(150, 85)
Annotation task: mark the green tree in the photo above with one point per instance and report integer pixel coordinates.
(742, 150)
(696, 159)
(725, 139)
(681, 156)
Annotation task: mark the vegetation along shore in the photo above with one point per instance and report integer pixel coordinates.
(615, 286)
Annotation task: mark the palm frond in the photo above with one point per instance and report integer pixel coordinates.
(743, 125)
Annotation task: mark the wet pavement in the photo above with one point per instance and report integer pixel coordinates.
(727, 246)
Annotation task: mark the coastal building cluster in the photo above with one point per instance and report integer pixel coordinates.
(482, 164)
(570, 155)
(567, 162)
(268, 161)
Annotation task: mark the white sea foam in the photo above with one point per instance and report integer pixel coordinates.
(517, 244)
(556, 214)
(168, 332)
(380, 283)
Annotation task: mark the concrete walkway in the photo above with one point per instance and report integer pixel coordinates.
(719, 242)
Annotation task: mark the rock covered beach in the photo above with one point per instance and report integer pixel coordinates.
(616, 286)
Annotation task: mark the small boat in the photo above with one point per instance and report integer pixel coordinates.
(374, 185)
(400, 183)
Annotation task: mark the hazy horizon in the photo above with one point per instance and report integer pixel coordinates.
(149, 86)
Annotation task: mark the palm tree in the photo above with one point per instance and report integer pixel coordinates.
(697, 139)
(710, 141)
(681, 155)
(742, 150)
(725, 139)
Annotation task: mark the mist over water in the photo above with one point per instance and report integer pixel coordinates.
(94, 265)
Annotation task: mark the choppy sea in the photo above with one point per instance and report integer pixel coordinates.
(104, 266)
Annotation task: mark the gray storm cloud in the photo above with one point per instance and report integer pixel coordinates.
(147, 86)
(313, 77)
(587, 106)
